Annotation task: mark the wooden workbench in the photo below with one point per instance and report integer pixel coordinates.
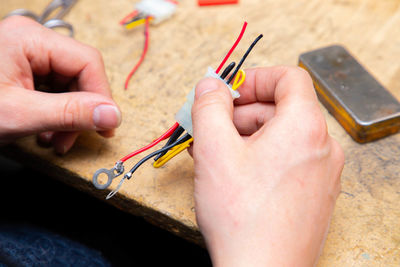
(365, 229)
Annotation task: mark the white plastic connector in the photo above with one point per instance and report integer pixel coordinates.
(184, 115)
(158, 9)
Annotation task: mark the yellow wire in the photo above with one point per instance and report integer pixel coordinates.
(135, 23)
(239, 79)
(172, 153)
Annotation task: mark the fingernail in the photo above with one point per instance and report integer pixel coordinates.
(44, 139)
(205, 86)
(106, 117)
(47, 137)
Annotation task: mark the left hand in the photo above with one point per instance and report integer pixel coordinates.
(33, 55)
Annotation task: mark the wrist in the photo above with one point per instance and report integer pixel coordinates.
(256, 251)
(238, 253)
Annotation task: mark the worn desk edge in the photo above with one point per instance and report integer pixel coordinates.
(131, 206)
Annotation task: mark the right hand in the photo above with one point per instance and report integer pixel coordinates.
(267, 173)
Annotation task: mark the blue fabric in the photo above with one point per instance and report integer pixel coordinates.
(28, 246)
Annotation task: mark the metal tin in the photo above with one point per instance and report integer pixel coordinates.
(365, 109)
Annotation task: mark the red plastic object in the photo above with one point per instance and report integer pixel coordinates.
(216, 2)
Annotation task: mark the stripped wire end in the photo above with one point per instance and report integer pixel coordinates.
(176, 143)
(112, 193)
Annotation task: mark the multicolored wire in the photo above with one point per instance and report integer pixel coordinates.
(176, 143)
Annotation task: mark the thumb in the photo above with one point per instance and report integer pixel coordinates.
(212, 113)
(32, 111)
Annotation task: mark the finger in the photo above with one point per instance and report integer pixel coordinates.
(212, 114)
(44, 51)
(107, 134)
(296, 105)
(249, 118)
(274, 84)
(33, 111)
(190, 151)
(44, 139)
(290, 88)
(63, 141)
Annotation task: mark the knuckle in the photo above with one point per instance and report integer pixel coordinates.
(300, 73)
(69, 114)
(14, 30)
(319, 127)
(16, 22)
(297, 73)
(95, 54)
(317, 130)
(303, 73)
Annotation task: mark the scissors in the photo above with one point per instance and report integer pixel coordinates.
(45, 19)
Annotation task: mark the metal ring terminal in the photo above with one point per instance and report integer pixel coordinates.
(110, 177)
(112, 173)
(119, 167)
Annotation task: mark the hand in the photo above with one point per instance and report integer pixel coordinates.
(267, 173)
(32, 55)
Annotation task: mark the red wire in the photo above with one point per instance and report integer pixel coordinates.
(155, 142)
(233, 47)
(130, 15)
(146, 46)
(171, 130)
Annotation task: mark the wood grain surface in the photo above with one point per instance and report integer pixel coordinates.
(365, 230)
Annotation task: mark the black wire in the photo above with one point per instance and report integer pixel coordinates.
(166, 148)
(174, 136)
(228, 69)
(161, 152)
(135, 18)
(244, 58)
(178, 131)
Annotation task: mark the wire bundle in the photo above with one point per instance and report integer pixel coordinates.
(131, 21)
(145, 12)
(178, 139)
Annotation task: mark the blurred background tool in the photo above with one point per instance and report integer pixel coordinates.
(365, 109)
(60, 7)
(146, 11)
